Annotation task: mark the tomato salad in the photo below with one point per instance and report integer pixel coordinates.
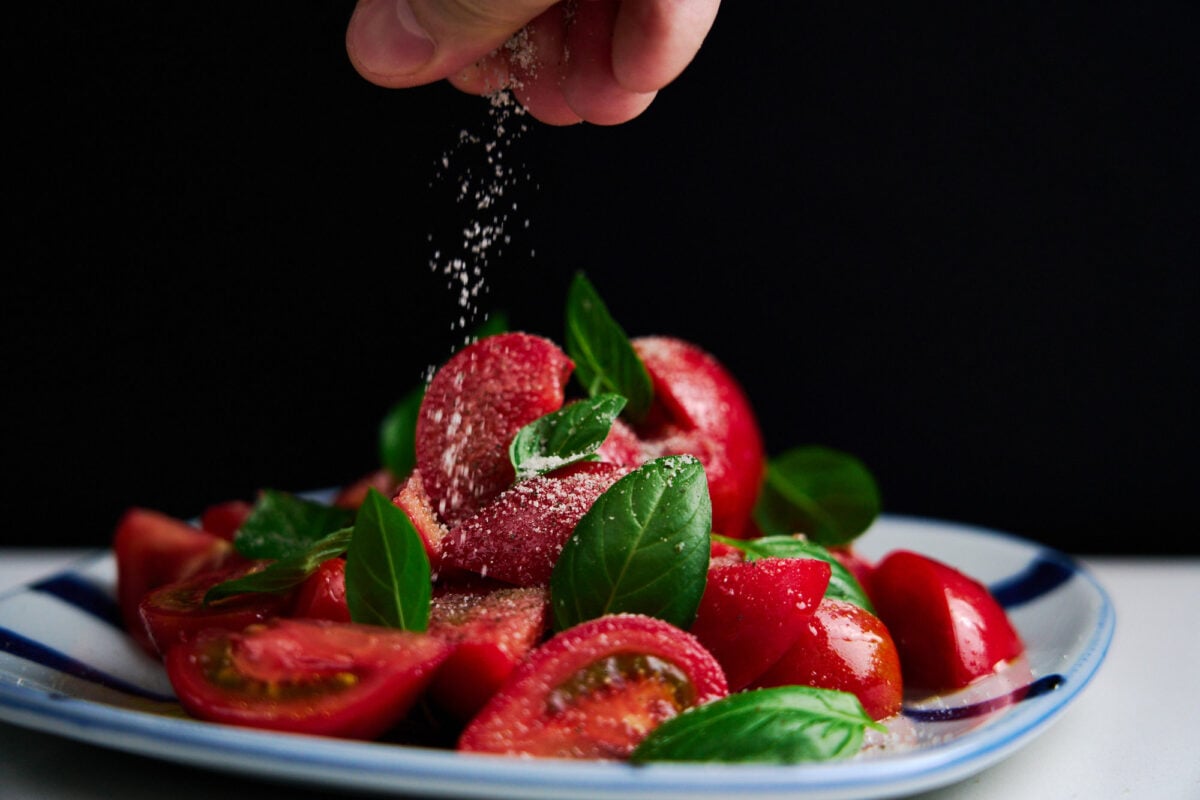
(610, 568)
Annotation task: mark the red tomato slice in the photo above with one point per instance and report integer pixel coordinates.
(948, 627)
(411, 498)
(153, 549)
(517, 537)
(844, 647)
(323, 594)
(596, 690)
(491, 630)
(176, 612)
(752, 611)
(352, 495)
(305, 676)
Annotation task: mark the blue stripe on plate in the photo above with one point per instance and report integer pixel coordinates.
(20, 646)
(73, 589)
(1042, 576)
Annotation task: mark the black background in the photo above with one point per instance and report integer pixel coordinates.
(960, 244)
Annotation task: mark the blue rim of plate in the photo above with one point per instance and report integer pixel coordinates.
(381, 767)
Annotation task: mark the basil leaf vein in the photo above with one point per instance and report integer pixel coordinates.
(285, 573)
(283, 524)
(387, 569)
(829, 496)
(572, 433)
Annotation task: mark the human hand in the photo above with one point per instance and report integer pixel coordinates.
(598, 61)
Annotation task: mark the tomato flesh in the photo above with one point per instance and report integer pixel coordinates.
(305, 676)
(596, 690)
(322, 595)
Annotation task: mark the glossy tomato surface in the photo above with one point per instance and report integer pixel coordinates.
(752, 611)
(845, 647)
(322, 595)
(305, 676)
(948, 627)
(596, 690)
(176, 612)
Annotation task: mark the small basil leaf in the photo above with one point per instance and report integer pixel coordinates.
(398, 434)
(780, 725)
(842, 583)
(497, 322)
(286, 573)
(387, 569)
(605, 360)
(572, 433)
(827, 495)
(282, 524)
(642, 547)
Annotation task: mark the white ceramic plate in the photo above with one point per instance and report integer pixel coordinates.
(67, 668)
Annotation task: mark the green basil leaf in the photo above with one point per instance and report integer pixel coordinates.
(842, 583)
(497, 322)
(827, 495)
(642, 548)
(398, 434)
(282, 524)
(605, 361)
(562, 437)
(387, 569)
(286, 573)
(780, 725)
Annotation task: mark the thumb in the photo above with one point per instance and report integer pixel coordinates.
(400, 43)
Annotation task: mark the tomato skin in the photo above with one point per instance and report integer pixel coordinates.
(153, 549)
(322, 595)
(844, 647)
(411, 498)
(224, 519)
(752, 611)
(596, 690)
(352, 495)
(948, 627)
(176, 612)
(305, 676)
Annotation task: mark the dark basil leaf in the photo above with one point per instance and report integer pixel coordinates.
(842, 583)
(605, 361)
(282, 524)
(398, 434)
(387, 569)
(827, 495)
(780, 725)
(642, 547)
(286, 573)
(572, 433)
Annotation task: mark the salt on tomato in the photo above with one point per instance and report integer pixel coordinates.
(948, 627)
(752, 611)
(596, 690)
(305, 676)
(492, 628)
(177, 611)
(844, 647)
(153, 549)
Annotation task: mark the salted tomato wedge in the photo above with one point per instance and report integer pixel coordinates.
(305, 676)
(596, 690)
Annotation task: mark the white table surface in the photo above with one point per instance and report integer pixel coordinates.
(1134, 732)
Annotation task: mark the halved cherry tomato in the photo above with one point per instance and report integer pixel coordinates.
(153, 549)
(491, 629)
(752, 611)
(174, 613)
(948, 627)
(845, 647)
(305, 676)
(596, 690)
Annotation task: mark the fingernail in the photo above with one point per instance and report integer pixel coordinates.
(397, 44)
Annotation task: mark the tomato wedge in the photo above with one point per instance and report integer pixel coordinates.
(305, 676)
(596, 690)
(948, 627)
